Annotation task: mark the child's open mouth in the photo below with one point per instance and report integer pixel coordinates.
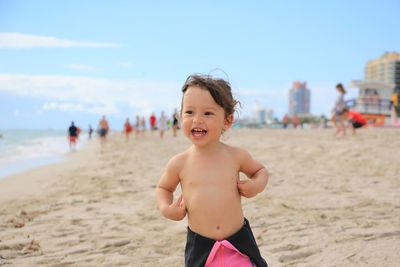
(197, 132)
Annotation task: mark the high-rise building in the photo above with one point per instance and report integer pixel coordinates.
(261, 115)
(384, 69)
(299, 99)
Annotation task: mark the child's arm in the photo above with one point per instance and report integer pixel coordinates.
(254, 170)
(164, 192)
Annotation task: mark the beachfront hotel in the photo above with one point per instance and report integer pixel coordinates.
(299, 99)
(384, 69)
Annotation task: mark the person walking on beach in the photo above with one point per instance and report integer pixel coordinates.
(175, 123)
(296, 121)
(337, 111)
(127, 129)
(285, 121)
(162, 124)
(103, 130)
(73, 134)
(395, 107)
(153, 121)
(90, 131)
(137, 126)
(142, 125)
(208, 173)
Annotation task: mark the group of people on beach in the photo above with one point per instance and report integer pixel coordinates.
(295, 120)
(74, 132)
(162, 124)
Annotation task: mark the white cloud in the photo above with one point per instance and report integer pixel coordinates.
(80, 67)
(69, 107)
(22, 41)
(79, 107)
(93, 95)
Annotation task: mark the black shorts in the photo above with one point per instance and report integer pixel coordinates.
(198, 247)
(356, 125)
(103, 132)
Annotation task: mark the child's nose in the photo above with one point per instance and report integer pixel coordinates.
(197, 119)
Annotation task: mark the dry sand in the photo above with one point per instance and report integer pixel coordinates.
(329, 202)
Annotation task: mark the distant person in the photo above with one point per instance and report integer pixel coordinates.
(153, 121)
(142, 125)
(73, 134)
(103, 130)
(208, 173)
(395, 107)
(337, 111)
(323, 122)
(175, 123)
(356, 120)
(137, 126)
(162, 124)
(285, 121)
(127, 129)
(295, 121)
(90, 131)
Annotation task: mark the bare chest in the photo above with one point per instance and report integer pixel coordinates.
(209, 173)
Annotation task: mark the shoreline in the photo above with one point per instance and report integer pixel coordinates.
(25, 181)
(324, 204)
(23, 150)
(26, 165)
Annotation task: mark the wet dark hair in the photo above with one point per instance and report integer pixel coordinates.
(219, 89)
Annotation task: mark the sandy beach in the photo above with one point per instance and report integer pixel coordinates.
(329, 202)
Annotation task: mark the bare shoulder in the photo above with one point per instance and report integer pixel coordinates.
(171, 175)
(176, 162)
(238, 153)
(247, 164)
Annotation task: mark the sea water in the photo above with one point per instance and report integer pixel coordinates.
(24, 149)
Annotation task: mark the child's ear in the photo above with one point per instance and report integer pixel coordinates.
(228, 122)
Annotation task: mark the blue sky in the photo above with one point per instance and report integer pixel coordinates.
(77, 60)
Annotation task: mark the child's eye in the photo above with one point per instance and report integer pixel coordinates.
(189, 112)
(208, 113)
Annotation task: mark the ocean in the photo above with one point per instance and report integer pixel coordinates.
(24, 149)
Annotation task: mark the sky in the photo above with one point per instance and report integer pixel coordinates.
(78, 60)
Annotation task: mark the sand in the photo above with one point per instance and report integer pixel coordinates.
(329, 202)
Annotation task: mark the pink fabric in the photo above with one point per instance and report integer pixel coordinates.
(224, 254)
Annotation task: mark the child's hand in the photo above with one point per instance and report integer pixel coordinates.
(177, 210)
(247, 188)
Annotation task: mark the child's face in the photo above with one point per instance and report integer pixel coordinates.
(203, 120)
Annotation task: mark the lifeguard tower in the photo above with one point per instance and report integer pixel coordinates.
(373, 100)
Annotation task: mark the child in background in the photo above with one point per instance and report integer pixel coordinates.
(208, 173)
